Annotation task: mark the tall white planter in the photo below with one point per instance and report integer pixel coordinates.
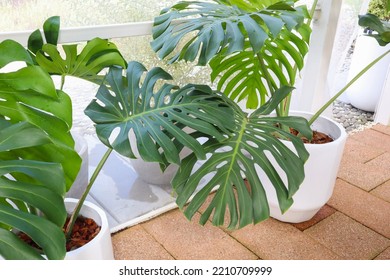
(320, 174)
(366, 91)
(99, 248)
(79, 185)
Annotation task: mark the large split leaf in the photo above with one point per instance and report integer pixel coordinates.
(157, 113)
(254, 146)
(29, 94)
(253, 47)
(211, 27)
(28, 188)
(243, 74)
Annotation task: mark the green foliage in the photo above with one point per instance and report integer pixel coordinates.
(242, 156)
(38, 163)
(156, 112)
(380, 8)
(37, 160)
(27, 186)
(233, 33)
(160, 114)
(380, 30)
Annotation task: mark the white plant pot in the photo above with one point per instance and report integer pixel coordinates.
(150, 172)
(99, 248)
(320, 174)
(79, 185)
(366, 91)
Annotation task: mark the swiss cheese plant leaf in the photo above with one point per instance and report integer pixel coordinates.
(243, 74)
(380, 30)
(28, 188)
(235, 165)
(253, 47)
(96, 55)
(210, 27)
(47, 235)
(11, 51)
(13, 248)
(157, 113)
(29, 94)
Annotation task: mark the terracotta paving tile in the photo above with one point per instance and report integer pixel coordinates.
(373, 138)
(383, 191)
(360, 152)
(189, 240)
(366, 176)
(136, 244)
(348, 238)
(362, 206)
(385, 255)
(382, 128)
(324, 212)
(275, 240)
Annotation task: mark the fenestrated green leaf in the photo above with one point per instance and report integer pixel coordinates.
(96, 55)
(47, 235)
(13, 136)
(243, 74)
(46, 173)
(26, 185)
(211, 27)
(41, 197)
(29, 78)
(156, 112)
(13, 248)
(253, 147)
(36, 101)
(11, 51)
(381, 29)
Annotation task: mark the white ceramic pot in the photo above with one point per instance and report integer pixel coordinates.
(366, 91)
(320, 174)
(99, 248)
(150, 172)
(81, 181)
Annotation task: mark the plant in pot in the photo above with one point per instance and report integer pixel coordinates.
(38, 160)
(142, 102)
(255, 49)
(365, 94)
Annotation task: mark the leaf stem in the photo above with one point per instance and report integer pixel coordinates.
(76, 211)
(361, 73)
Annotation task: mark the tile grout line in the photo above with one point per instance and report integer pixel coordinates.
(152, 236)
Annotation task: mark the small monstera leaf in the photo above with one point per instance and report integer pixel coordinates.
(381, 29)
(25, 187)
(252, 146)
(156, 112)
(96, 55)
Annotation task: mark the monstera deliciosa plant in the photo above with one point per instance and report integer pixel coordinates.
(38, 163)
(131, 100)
(254, 50)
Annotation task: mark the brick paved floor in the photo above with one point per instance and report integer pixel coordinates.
(355, 224)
